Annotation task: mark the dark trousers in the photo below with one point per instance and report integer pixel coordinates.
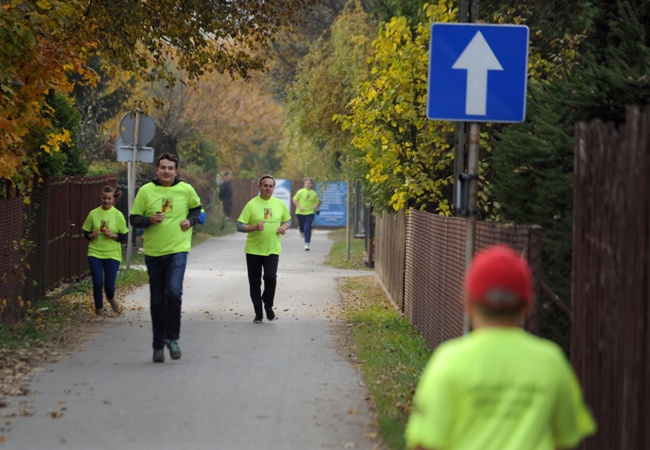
(227, 207)
(104, 274)
(305, 222)
(166, 293)
(258, 265)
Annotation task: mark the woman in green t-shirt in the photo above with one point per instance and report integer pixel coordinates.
(105, 228)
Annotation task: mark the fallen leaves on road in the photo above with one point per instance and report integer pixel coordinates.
(18, 364)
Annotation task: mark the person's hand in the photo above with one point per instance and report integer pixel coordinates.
(259, 226)
(281, 231)
(94, 234)
(185, 224)
(109, 234)
(157, 218)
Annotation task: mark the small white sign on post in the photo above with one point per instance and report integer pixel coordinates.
(136, 131)
(144, 155)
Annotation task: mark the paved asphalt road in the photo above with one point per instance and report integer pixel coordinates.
(278, 385)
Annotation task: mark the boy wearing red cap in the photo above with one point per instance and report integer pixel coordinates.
(499, 387)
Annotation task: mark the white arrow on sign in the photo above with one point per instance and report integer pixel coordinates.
(477, 59)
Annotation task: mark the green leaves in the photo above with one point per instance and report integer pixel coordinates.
(407, 159)
(327, 79)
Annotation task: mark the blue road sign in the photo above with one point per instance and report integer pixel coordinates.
(477, 72)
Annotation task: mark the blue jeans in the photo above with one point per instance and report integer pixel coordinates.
(104, 274)
(166, 291)
(305, 222)
(255, 265)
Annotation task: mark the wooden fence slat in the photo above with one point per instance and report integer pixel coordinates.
(610, 343)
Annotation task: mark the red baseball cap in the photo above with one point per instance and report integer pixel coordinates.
(499, 279)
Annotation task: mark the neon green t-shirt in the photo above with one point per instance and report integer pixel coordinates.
(272, 212)
(498, 389)
(307, 199)
(174, 202)
(103, 247)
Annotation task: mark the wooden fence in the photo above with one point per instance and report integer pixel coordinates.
(611, 277)
(42, 241)
(390, 254)
(420, 260)
(608, 322)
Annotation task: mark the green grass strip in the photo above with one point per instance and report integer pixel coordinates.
(391, 352)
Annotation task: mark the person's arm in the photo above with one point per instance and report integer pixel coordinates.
(284, 226)
(139, 221)
(120, 237)
(193, 215)
(192, 218)
(87, 228)
(90, 235)
(572, 418)
(122, 231)
(295, 201)
(244, 228)
(115, 236)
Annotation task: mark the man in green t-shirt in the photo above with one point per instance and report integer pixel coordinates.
(499, 387)
(306, 202)
(265, 218)
(166, 208)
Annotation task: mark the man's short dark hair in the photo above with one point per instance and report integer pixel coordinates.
(169, 157)
(264, 177)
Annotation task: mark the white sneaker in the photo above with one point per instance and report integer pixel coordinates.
(307, 247)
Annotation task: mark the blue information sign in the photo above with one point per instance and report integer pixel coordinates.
(333, 204)
(477, 72)
(283, 191)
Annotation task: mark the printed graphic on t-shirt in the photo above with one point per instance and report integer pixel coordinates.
(103, 225)
(268, 212)
(167, 205)
(508, 401)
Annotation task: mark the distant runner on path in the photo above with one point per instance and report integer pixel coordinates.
(306, 202)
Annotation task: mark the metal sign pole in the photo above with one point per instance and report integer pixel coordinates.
(472, 172)
(132, 178)
(348, 226)
(496, 60)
